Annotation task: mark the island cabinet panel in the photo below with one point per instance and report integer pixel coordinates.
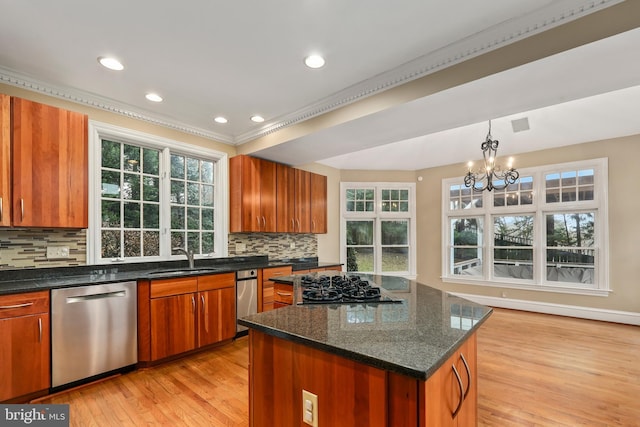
(25, 338)
(252, 196)
(5, 161)
(448, 399)
(349, 393)
(49, 166)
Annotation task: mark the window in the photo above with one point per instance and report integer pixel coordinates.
(516, 238)
(152, 195)
(378, 231)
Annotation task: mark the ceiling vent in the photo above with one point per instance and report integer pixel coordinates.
(520, 125)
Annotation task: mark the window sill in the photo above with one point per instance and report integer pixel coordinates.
(530, 287)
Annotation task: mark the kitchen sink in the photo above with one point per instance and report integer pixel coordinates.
(183, 272)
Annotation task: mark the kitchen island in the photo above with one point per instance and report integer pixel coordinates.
(407, 363)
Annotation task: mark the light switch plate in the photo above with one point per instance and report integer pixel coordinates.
(309, 408)
(241, 247)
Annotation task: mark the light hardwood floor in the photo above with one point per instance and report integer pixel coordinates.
(534, 370)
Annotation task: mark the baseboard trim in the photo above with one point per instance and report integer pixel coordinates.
(615, 316)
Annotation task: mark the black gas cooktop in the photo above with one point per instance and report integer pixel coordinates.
(341, 289)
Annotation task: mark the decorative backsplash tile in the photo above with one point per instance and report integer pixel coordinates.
(275, 245)
(27, 248)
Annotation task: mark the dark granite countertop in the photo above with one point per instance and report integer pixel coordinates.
(414, 337)
(36, 279)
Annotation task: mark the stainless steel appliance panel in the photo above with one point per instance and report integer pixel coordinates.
(247, 295)
(94, 330)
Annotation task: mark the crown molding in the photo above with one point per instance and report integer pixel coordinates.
(95, 101)
(548, 17)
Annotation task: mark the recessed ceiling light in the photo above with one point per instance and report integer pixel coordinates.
(257, 119)
(314, 61)
(111, 63)
(220, 119)
(153, 97)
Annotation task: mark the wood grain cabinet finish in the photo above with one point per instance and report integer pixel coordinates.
(318, 203)
(49, 166)
(5, 161)
(252, 196)
(185, 314)
(24, 346)
(270, 197)
(267, 293)
(351, 393)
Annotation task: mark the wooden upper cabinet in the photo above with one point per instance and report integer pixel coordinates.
(252, 197)
(303, 201)
(285, 195)
(50, 166)
(5, 161)
(271, 197)
(318, 203)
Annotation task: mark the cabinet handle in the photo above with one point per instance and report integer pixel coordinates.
(193, 304)
(284, 294)
(22, 209)
(466, 366)
(298, 221)
(455, 371)
(0, 208)
(264, 223)
(258, 220)
(293, 224)
(7, 307)
(202, 300)
(39, 329)
(313, 225)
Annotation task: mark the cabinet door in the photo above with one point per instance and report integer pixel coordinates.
(50, 166)
(285, 196)
(5, 161)
(318, 203)
(172, 325)
(244, 195)
(217, 316)
(467, 367)
(303, 201)
(24, 355)
(267, 195)
(283, 294)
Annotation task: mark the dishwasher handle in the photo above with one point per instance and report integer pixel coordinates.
(82, 298)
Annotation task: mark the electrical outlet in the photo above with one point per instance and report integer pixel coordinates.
(309, 408)
(57, 252)
(292, 245)
(241, 247)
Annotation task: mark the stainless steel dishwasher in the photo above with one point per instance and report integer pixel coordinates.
(247, 296)
(93, 331)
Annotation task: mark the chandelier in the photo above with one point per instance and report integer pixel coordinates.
(491, 176)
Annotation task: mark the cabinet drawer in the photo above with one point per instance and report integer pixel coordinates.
(216, 281)
(168, 287)
(283, 293)
(23, 304)
(268, 273)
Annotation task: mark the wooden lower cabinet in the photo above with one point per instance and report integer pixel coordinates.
(266, 296)
(25, 350)
(179, 315)
(355, 394)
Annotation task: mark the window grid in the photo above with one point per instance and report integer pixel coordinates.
(542, 260)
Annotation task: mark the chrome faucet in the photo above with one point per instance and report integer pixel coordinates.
(188, 253)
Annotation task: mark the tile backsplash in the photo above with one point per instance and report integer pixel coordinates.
(275, 245)
(27, 248)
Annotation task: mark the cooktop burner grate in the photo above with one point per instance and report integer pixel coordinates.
(340, 289)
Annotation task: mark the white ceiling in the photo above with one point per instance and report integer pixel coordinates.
(238, 58)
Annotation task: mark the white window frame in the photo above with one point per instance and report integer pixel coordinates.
(539, 209)
(378, 216)
(99, 131)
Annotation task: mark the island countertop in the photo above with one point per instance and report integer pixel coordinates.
(413, 337)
